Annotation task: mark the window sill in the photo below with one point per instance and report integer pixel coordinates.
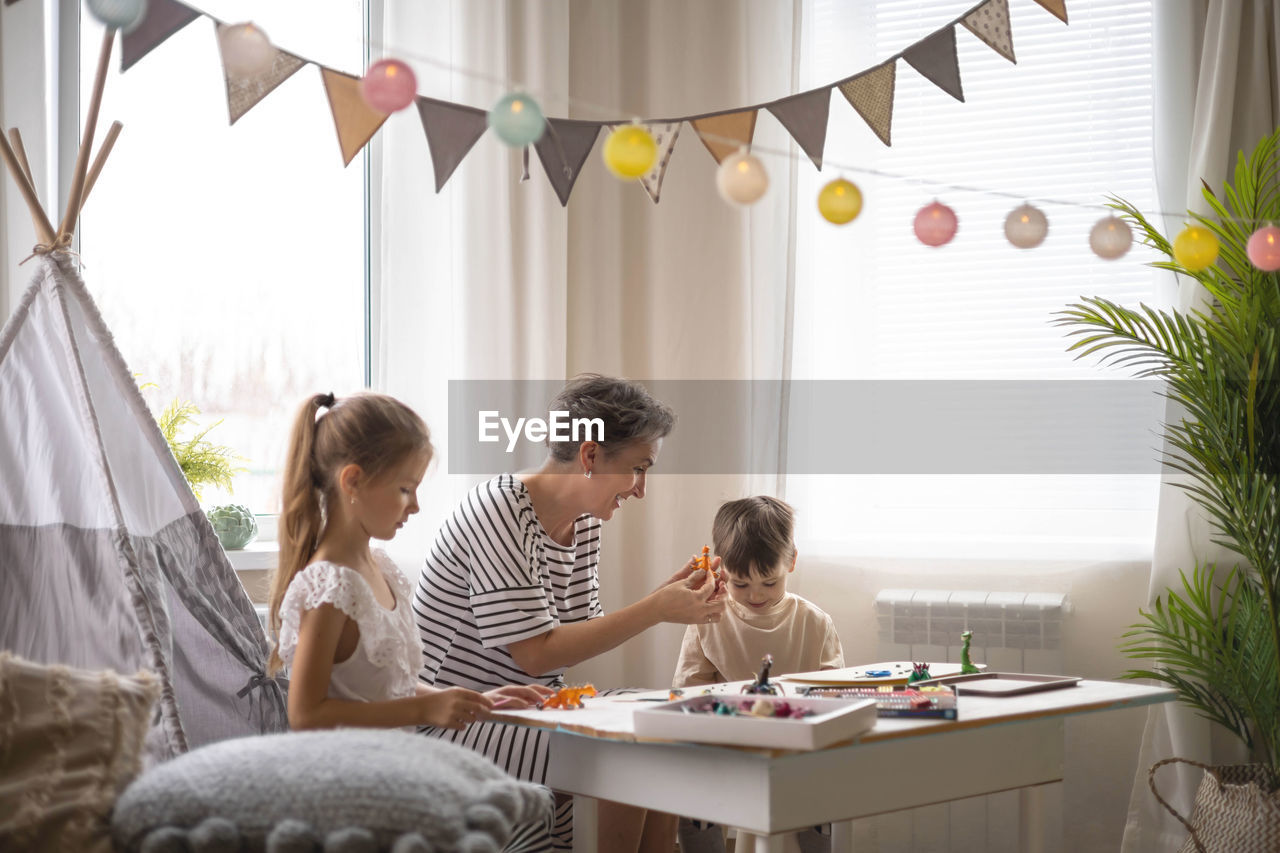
(253, 564)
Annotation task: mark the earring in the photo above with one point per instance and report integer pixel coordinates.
(588, 474)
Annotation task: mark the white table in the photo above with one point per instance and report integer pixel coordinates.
(998, 744)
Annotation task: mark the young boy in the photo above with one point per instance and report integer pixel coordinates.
(754, 539)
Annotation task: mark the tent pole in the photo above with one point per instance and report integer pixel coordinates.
(16, 139)
(44, 228)
(100, 160)
(76, 197)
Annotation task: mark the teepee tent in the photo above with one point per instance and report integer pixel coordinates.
(106, 560)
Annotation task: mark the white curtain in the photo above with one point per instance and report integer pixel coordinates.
(493, 279)
(1207, 112)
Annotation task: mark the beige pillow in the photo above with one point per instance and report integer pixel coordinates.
(70, 741)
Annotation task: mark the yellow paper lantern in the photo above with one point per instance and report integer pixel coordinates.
(1195, 248)
(630, 152)
(840, 201)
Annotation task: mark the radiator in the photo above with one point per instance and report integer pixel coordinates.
(1012, 632)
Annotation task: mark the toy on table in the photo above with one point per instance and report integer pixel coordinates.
(761, 685)
(567, 698)
(919, 672)
(966, 662)
(778, 708)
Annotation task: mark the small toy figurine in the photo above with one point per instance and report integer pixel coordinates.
(567, 698)
(919, 672)
(674, 693)
(966, 662)
(704, 563)
(761, 685)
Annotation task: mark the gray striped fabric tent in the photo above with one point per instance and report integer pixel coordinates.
(106, 560)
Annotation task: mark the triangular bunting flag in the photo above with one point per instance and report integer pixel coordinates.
(871, 94)
(805, 118)
(990, 22)
(451, 131)
(563, 149)
(724, 134)
(665, 135)
(1057, 7)
(935, 58)
(162, 19)
(355, 120)
(244, 91)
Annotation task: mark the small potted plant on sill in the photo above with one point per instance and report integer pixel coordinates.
(1215, 638)
(204, 463)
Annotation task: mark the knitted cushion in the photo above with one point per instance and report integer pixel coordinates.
(346, 790)
(70, 740)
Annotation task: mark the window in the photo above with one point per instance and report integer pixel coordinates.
(229, 261)
(1071, 121)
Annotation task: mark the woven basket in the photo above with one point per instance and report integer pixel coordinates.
(1237, 808)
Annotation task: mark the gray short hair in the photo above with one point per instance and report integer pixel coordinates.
(629, 413)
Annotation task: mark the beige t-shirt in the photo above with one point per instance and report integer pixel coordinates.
(798, 634)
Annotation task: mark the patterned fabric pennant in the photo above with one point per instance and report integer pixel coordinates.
(665, 135)
(1057, 7)
(162, 19)
(451, 130)
(935, 58)
(871, 94)
(244, 91)
(805, 118)
(990, 22)
(563, 149)
(724, 134)
(355, 120)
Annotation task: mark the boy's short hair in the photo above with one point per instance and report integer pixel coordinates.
(753, 535)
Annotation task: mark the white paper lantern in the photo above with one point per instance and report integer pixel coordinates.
(246, 50)
(1110, 238)
(1026, 226)
(741, 178)
(121, 14)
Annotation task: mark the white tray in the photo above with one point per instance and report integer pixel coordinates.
(833, 721)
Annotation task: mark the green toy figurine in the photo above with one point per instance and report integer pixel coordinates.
(966, 662)
(919, 672)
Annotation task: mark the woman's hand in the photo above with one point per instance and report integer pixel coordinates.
(688, 571)
(452, 707)
(689, 598)
(517, 696)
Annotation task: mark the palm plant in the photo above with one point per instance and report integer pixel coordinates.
(1216, 638)
(202, 462)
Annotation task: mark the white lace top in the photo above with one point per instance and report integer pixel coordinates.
(388, 656)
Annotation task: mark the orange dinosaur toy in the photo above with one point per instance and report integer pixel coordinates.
(704, 562)
(568, 698)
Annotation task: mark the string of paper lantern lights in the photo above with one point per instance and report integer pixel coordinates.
(630, 151)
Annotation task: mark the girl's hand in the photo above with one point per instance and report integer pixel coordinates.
(517, 696)
(452, 707)
(690, 601)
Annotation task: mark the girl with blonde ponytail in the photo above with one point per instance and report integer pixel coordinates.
(341, 611)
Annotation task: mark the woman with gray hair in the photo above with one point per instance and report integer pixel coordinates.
(510, 590)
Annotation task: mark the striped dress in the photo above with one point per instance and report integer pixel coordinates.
(494, 577)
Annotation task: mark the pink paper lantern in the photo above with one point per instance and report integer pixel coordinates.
(388, 85)
(1264, 248)
(936, 224)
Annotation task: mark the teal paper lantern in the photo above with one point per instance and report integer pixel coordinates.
(517, 120)
(120, 14)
